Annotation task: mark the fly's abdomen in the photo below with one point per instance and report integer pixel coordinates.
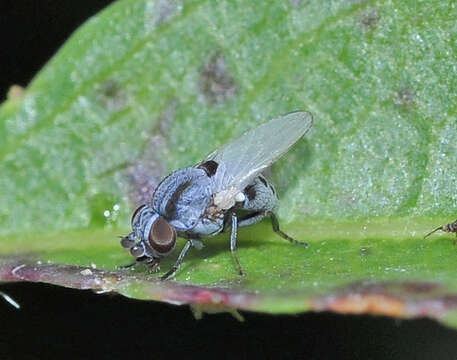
(260, 195)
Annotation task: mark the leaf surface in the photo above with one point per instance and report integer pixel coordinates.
(146, 87)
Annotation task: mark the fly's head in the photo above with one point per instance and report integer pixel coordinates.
(152, 237)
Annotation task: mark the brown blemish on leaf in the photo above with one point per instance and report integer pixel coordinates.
(369, 18)
(367, 304)
(405, 97)
(112, 96)
(167, 118)
(148, 170)
(216, 84)
(15, 92)
(145, 174)
(396, 299)
(159, 12)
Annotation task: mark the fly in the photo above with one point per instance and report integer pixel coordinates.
(224, 192)
(449, 228)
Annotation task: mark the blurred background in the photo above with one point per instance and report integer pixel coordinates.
(56, 322)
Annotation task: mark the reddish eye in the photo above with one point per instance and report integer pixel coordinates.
(162, 236)
(136, 212)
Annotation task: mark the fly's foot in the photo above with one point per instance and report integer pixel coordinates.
(153, 266)
(170, 273)
(296, 242)
(129, 266)
(237, 263)
(275, 224)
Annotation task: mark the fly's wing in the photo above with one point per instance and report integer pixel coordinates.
(241, 160)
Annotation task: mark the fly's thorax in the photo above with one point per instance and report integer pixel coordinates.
(157, 237)
(182, 197)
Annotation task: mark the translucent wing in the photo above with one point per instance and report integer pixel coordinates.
(241, 160)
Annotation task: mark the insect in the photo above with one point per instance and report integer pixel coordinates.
(224, 192)
(449, 228)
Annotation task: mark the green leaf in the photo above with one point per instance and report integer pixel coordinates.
(147, 87)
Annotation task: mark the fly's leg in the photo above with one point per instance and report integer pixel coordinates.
(275, 223)
(251, 219)
(256, 217)
(129, 266)
(233, 235)
(178, 262)
(153, 264)
(259, 200)
(449, 228)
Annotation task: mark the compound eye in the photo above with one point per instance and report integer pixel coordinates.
(135, 213)
(128, 241)
(162, 236)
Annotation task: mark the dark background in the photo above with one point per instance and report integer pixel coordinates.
(60, 323)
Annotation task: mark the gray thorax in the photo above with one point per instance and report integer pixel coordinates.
(182, 197)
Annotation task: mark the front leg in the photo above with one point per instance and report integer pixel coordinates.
(178, 262)
(152, 263)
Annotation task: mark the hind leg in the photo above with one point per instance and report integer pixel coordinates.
(261, 199)
(258, 216)
(277, 230)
